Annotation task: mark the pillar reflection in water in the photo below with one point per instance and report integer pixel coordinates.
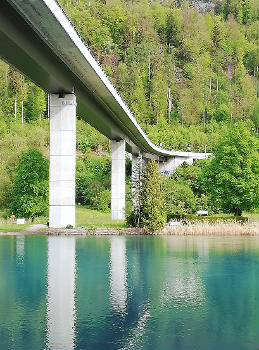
(20, 248)
(183, 283)
(61, 293)
(118, 273)
(202, 247)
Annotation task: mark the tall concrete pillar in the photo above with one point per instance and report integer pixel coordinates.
(62, 171)
(61, 312)
(118, 180)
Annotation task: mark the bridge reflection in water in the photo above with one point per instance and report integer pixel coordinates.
(180, 285)
(61, 311)
(131, 292)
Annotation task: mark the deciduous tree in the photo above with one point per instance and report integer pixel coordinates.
(233, 175)
(30, 191)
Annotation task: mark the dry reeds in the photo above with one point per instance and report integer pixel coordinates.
(216, 229)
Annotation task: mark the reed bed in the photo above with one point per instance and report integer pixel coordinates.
(215, 229)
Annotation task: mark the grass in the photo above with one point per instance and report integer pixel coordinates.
(84, 217)
(95, 219)
(13, 228)
(252, 216)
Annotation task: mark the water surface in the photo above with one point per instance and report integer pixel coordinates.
(132, 292)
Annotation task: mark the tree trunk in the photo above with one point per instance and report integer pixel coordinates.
(169, 104)
(15, 108)
(237, 212)
(22, 113)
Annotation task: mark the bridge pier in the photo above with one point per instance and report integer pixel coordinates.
(62, 172)
(118, 180)
(171, 164)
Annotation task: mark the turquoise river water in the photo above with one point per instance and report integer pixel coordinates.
(134, 292)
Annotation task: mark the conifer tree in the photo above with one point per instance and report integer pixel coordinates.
(152, 211)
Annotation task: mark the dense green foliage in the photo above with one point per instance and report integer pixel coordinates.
(30, 190)
(180, 198)
(229, 182)
(12, 145)
(186, 190)
(175, 65)
(93, 182)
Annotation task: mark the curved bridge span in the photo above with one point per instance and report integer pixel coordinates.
(38, 39)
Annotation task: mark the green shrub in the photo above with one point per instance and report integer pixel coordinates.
(83, 146)
(102, 201)
(189, 71)
(180, 198)
(92, 178)
(69, 226)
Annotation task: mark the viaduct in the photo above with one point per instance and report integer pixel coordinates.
(38, 39)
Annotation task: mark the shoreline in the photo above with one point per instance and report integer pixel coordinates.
(197, 229)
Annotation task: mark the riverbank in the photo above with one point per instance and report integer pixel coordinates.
(193, 229)
(93, 222)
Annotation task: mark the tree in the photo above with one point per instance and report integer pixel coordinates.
(148, 209)
(180, 198)
(174, 27)
(35, 105)
(153, 216)
(233, 174)
(30, 191)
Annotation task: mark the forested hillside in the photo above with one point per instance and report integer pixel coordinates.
(187, 70)
(177, 67)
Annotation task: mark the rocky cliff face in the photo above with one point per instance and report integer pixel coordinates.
(203, 6)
